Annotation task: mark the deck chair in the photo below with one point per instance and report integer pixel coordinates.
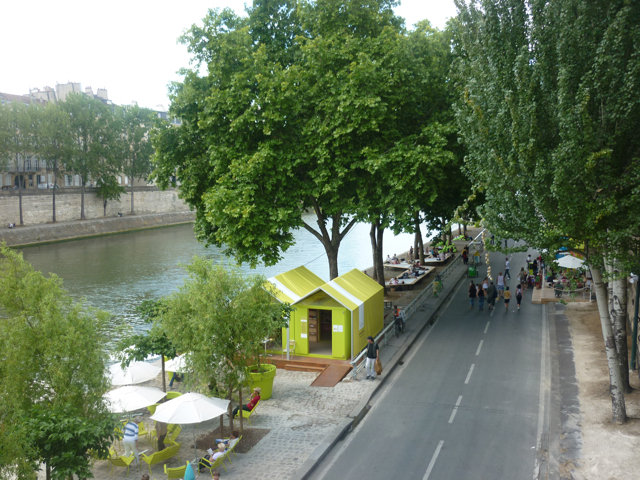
(172, 395)
(173, 434)
(121, 461)
(216, 464)
(246, 414)
(177, 472)
(292, 348)
(233, 449)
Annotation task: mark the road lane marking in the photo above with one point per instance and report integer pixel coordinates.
(469, 374)
(433, 460)
(455, 409)
(487, 327)
(479, 347)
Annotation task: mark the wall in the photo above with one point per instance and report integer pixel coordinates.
(37, 204)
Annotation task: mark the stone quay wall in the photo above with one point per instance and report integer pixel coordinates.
(37, 205)
(55, 232)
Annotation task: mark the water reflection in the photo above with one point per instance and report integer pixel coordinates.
(118, 272)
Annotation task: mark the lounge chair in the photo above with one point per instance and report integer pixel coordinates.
(121, 461)
(246, 414)
(177, 472)
(161, 456)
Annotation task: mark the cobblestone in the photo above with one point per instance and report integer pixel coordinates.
(298, 415)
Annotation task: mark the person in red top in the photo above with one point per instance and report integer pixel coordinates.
(255, 398)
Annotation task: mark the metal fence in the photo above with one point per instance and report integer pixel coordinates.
(357, 363)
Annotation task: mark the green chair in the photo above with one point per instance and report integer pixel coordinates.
(177, 472)
(173, 434)
(246, 414)
(217, 463)
(233, 449)
(152, 408)
(172, 395)
(121, 461)
(157, 457)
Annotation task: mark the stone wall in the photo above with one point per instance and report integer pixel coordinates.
(37, 204)
(55, 232)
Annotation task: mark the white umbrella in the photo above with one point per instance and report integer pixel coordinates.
(190, 408)
(132, 397)
(176, 364)
(569, 261)
(136, 372)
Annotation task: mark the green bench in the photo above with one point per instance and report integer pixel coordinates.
(162, 455)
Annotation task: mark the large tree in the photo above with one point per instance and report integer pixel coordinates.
(270, 132)
(53, 374)
(135, 145)
(55, 143)
(549, 109)
(94, 134)
(220, 318)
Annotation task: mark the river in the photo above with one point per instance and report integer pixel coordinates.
(117, 272)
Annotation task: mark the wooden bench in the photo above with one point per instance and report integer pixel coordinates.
(246, 414)
(162, 455)
(410, 282)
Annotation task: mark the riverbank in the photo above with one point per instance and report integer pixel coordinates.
(56, 232)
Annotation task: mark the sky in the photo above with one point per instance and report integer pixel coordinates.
(128, 47)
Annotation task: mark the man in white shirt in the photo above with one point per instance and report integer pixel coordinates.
(506, 269)
(500, 285)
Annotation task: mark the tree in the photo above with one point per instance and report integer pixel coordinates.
(137, 148)
(261, 140)
(22, 141)
(93, 133)
(55, 143)
(549, 107)
(53, 368)
(220, 317)
(138, 347)
(108, 189)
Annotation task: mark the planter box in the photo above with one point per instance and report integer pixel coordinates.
(263, 379)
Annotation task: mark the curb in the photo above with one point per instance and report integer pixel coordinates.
(361, 410)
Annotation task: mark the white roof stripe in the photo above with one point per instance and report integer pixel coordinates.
(278, 284)
(347, 294)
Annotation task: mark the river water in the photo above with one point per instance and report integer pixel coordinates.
(117, 272)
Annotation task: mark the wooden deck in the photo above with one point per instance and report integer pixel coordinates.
(331, 371)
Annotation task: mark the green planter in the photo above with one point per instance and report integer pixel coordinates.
(262, 379)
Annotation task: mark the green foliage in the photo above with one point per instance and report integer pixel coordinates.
(53, 357)
(549, 111)
(221, 317)
(108, 189)
(66, 441)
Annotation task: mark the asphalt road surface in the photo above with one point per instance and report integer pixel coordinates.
(467, 404)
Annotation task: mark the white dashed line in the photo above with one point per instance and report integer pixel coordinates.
(433, 460)
(487, 327)
(469, 374)
(479, 347)
(455, 409)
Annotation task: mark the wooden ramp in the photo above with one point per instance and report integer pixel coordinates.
(331, 376)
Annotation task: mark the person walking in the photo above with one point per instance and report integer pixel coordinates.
(465, 257)
(507, 297)
(500, 285)
(505, 243)
(480, 298)
(373, 353)
(130, 439)
(493, 239)
(519, 295)
(507, 264)
(161, 431)
(472, 294)
(522, 276)
(491, 296)
(410, 253)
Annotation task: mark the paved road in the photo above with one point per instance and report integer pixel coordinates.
(465, 404)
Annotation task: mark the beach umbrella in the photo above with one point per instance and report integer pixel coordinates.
(176, 364)
(569, 261)
(190, 408)
(136, 372)
(132, 397)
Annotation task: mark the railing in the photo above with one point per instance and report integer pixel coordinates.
(357, 363)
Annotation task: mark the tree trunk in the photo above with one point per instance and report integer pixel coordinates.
(82, 199)
(21, 183)
(330, 242)
(55, 184)
(416, 241)
(47, 469)
(618, 313)
(241, 416)
(105, 207)
(230, 410)
(465, 227)
(421, 246)
(164, 376)
(459, 229)
(619, 412)
(375, 234)
(132, 212)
